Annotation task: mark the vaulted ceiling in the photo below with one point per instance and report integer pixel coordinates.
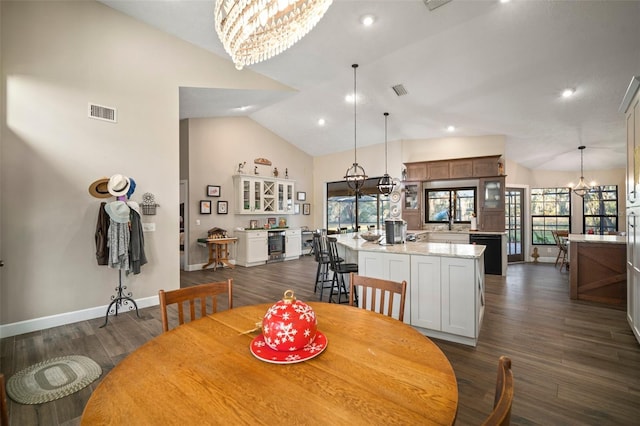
(485, 67)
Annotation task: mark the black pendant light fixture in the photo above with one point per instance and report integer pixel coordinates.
(581, 188)
(385, 183)
(355, 175)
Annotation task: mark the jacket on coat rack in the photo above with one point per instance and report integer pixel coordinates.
(137, 256)
(101, 236)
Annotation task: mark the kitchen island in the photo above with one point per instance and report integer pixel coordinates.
(598, 270)
(445, 283)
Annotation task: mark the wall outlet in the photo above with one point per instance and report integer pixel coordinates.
(148, 227)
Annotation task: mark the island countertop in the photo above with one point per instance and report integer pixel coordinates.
(590, 238)
(470, 251)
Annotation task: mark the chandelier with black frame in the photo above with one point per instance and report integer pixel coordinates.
(386, 183)
(355, 175)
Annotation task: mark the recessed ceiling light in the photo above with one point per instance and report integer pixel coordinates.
(368, 20)
(349, 98)
(451, 128)
(505, 1)
(567, 93)
(321, 122)
(243, 108)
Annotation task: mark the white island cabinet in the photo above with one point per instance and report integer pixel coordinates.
(445, 291)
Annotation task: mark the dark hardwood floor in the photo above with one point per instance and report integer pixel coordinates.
(574, 363)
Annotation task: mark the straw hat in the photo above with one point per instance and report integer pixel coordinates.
(99, 188)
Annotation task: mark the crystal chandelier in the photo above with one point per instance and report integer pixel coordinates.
(385, 183)
(355, 175)
(581, 188)
(252, 31)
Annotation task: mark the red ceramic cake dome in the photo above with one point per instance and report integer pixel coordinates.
(289, 325)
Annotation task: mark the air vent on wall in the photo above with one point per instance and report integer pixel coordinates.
(399, 89)
(100, 112)
(433, 4)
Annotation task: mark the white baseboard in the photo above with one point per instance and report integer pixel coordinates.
(36, 324)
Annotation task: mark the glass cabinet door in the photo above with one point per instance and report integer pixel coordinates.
(246, 195)
(411, 196)
(257, 196)
(492, 193)
(289, 195)
(281, 197)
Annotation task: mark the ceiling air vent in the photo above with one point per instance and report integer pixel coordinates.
(434, 4)
(100, 112)
(399, 89)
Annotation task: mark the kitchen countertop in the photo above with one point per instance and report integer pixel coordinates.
(454, 231)
(589, 238)
(417, 248)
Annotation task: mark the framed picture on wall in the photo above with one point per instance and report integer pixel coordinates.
(296, 208)
(213, 190)
(205, 207)
(223, 207)
(306, 208)
(301, 196)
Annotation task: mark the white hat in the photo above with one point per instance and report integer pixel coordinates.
(118, 211)
(118, 185)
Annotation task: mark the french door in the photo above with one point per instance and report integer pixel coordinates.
(514, 208)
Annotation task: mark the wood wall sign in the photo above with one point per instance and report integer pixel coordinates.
(262, 161)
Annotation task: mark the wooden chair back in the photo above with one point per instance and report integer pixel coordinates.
(501, 414)
(381, 301)
(192, 294)
(4, 407)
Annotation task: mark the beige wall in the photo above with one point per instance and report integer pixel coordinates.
(216, 146)
(56, 58)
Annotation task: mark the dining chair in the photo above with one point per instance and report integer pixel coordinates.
(4, 407)
(192, 294)
(339, 268)
(381, 292)
(560, 239)
(321, 255)
(501, 414)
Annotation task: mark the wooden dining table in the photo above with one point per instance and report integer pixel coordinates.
(374, 370)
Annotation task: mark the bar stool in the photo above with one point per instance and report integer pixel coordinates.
(339, 268)
(321, 256)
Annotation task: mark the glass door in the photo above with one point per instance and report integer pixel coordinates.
(514, 198)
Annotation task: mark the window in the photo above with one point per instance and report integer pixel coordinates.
(600, 207)
(550, 211)
(442, 202)
(345, 212)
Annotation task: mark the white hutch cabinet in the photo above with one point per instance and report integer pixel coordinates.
(259, 195)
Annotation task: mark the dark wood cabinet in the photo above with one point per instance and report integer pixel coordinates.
(411, 206)
(460, 169)
(438, 170)
(486, 166)
(416, 171)
(491, 202)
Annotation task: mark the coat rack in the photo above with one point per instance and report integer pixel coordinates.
(120, 300)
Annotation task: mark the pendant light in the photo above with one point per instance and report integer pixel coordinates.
(355, 175)
(385, 183)
(581, 188)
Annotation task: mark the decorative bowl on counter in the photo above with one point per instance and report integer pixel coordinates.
(370, 236)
